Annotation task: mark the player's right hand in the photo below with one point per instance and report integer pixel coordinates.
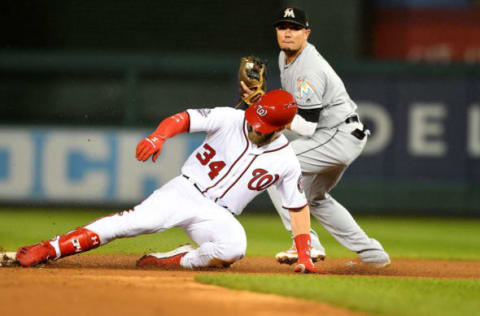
(304, 263)
(306, 266)
(151, 145)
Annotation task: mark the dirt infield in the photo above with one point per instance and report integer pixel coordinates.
(112, 285)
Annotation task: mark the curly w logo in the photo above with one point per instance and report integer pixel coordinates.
(261, 180)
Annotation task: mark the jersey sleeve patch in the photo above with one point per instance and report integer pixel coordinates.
(204, 112)
(300, 184)
(305, 91)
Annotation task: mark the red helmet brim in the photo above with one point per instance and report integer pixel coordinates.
(257, 123)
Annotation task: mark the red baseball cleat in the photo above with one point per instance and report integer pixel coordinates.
(32, 255)
(165, 259)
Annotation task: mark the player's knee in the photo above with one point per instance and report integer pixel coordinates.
(237, 252)
(319, 199)
(231, 251)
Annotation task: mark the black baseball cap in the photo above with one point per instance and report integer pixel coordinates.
(293, 15)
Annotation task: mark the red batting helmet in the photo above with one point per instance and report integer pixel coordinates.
(273, 111)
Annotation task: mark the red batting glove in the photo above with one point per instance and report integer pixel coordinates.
(151, 145)
(305, 264)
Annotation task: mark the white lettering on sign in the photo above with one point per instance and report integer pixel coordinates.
(383, 127)
(473, 132)
(425, 130)
(90, 148)
(17, 163)
(91, 165)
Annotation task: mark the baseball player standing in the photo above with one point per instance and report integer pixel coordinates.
(243, 154)
(331, 138)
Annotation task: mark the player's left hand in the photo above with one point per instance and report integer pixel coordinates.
(151, 145)
(252, 79)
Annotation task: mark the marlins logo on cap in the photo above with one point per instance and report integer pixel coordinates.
(293, 15)
(289, 13)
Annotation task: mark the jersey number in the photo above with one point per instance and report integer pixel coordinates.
(206, 156)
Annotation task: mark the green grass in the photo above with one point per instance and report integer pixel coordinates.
(387, 296)
(433, 238)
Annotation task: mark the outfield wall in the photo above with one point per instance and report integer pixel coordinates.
(422, 157)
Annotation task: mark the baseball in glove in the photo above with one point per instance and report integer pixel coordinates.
(252, 72)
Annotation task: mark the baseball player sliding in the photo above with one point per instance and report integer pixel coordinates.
(243, 154)
(331, 138)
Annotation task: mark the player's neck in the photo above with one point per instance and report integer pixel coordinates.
(291, 55)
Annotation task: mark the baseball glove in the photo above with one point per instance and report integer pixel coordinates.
(252, 72)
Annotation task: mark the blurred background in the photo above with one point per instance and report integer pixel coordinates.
(81, 82)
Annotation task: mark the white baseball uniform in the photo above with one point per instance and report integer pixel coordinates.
(325, 155)
(218, 180)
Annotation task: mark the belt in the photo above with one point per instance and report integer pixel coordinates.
(194, 184)
(352, 119)
(199, 190)
(358, 133)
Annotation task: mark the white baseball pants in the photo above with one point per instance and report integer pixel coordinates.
(179, 204)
